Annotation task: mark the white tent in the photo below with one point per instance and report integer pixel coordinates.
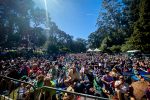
(89, 50)
(133, 51)
(97, 50)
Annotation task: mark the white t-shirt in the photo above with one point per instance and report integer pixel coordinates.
(123, 88)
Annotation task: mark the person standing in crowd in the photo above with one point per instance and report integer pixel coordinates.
(107, 82)
(73, 75)
(147, 92)
(97, 77)
(70, 88)
(49, 95)
(121, 88)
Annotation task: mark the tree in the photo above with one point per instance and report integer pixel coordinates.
(37, 37)
(24, 25)
(116, 23)
(14, 20)
(94, 40)
(110, 19)
(105, 44)
(115, 48)
(140, 37)
(38, 17)
(131, 13)
(110, 23)
(80, 44)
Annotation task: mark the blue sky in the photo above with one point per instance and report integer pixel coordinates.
(75, 17)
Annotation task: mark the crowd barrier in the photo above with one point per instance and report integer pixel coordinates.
(10, 88)
(17, 95)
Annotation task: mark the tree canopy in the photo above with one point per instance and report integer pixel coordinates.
(22, 24)
(122, 25)
(141, 32)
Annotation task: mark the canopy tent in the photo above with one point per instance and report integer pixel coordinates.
(89, 50)
(97, 50)
(133, 51)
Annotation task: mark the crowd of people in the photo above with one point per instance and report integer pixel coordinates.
(100, 75)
